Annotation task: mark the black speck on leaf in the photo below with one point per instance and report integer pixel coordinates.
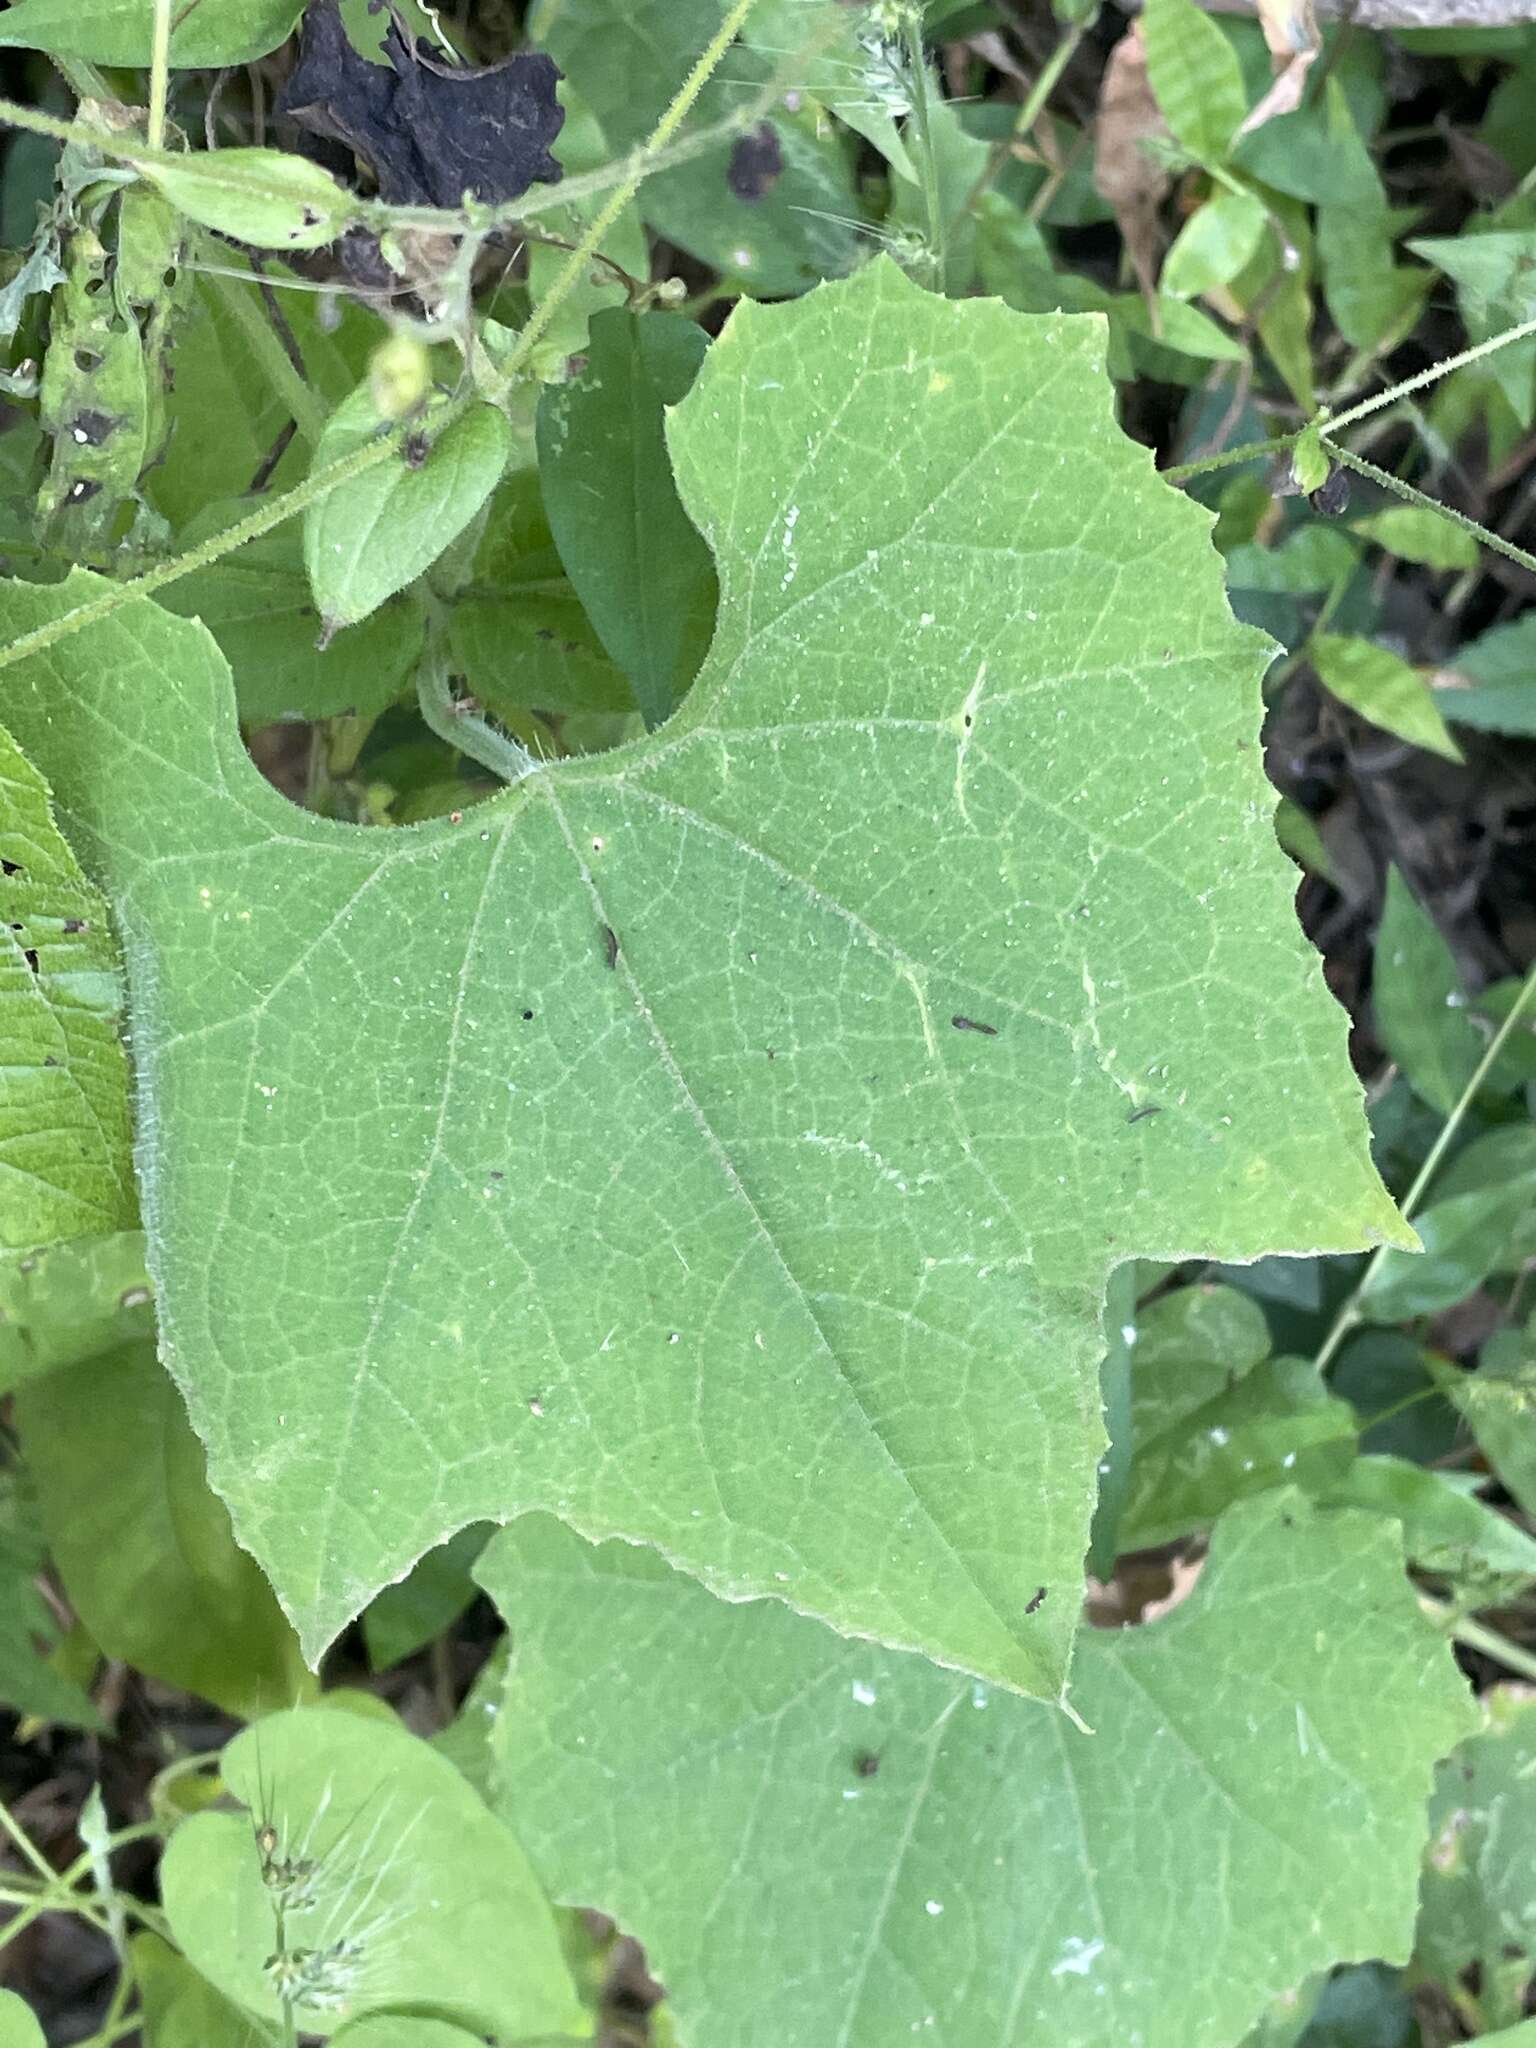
(1147, 1109)
(1037, 1601)
(866, 1763)
(610, 946)
(77, 924)
(415, 450)
(428, 130)
(970, 1024)
(10, 867)
(29, 954)
(755, 164)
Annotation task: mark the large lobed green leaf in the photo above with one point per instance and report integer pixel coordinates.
(722, 1143)
(64, 1132)
(821, 1842)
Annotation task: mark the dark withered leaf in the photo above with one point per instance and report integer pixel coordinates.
(430, 132)
(755, 164)
(1331, 497)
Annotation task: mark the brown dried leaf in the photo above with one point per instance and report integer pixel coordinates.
(1124, 172)
(1291, 31)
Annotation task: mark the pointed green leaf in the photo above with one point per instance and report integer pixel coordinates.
(1419, 1003)
(1217, 241)
(1195, 76)
(1383, 688)
(918, 1857)
(64, 1134)
(1491, 682)
(142, 1545)
(1415, 534)
(724, 1142)
(1279, 1426)
(397, 1886)
(266, 197)
(1495, 279)
(1445, 1530)
(638, 566)
(1465, 1238)
(212, 33)
(371, 536)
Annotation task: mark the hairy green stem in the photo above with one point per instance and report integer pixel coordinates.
(1250, 451)
(1484, 534)
(575, 265)
(29, 1849)
(1349, 1314)
(458, 725)
(159, 73)
(928, 169)
(1430, 376)
(263, 520)
(1487, 1641)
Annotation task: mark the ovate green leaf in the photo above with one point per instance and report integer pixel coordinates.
(1195, 75)
(1491, 682)
(916, 1856)
(404, 1890)
(1417, 535)
(214, 32)
(1445, 1529)
(1495, 279)
(1278, 1426)
(638, 566)
(1217, 241)
(371, 536)
(723, 1142)
(1465, 1238)
(1383, 688)
(64, 1133)
(142, 1545)
(266, 197)
(1419, 1003)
